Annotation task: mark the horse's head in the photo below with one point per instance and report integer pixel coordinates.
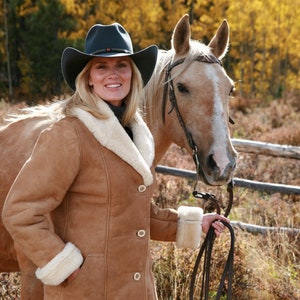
(197, 84)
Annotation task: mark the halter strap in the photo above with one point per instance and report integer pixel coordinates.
(169, 83)
(211, 59)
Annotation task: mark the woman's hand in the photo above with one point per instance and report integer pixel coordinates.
(73, 276)
(214, 220)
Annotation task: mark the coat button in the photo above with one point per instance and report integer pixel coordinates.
(141, 233)
(142, 188)
(137, 276)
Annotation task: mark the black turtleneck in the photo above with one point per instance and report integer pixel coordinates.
(119, 112)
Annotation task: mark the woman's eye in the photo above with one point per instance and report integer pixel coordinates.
(100, 67)
(123, 65)
(182, 88)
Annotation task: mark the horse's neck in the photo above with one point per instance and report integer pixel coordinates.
(153, 107)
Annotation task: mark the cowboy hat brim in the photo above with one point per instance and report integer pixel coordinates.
(73, 61)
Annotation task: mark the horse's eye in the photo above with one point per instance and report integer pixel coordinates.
(181, 88)
(232, 92)
(231, 121)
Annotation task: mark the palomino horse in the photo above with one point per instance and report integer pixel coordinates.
(186, 102)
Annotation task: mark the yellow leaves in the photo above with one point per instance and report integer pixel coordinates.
(69, 5)
(264, 35)
(27, 8)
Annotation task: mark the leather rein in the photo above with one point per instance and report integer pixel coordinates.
(207, 246)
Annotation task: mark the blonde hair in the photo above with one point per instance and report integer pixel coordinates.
(86, 99)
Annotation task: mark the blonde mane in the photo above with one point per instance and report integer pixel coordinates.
(53, 111)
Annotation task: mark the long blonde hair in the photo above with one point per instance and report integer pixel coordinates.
(86, 99)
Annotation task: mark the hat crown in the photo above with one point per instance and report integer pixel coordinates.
(108, 38)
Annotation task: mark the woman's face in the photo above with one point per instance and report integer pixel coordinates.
(110, 78)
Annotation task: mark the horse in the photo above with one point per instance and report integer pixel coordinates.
(185, 102)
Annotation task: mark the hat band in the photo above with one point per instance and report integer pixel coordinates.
(108, 50)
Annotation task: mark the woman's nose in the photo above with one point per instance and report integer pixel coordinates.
(112, 73)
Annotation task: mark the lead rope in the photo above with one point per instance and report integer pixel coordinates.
(207, 247)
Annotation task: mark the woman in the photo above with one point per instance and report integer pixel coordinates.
(80, 208)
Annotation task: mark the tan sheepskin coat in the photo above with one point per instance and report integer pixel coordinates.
(83, 198)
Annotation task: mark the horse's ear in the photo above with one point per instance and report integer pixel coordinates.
(181, 36)
(219, 43)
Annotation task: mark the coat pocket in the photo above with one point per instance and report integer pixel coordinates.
(88, 284)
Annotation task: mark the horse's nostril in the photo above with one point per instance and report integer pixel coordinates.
(211, 163)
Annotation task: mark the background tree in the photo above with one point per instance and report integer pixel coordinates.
(41, 46)
(4, 51)
(35, 46)
(264, 47)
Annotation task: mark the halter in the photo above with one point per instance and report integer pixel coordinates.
(207, 245)
(169, 83)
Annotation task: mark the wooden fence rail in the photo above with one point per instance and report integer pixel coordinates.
(250, 184)
(270, 187)
(266, 148)
(256, 229)
(258, 148)
(251, 147)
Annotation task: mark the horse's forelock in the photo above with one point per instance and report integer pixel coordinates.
(196, 49)
(165, 57)
(154, 87)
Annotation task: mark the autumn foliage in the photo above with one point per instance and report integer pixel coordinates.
(263, 58)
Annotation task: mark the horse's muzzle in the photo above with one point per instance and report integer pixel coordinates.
(219, 170)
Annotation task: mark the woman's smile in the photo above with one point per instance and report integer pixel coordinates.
(113, 85)
(110, 78)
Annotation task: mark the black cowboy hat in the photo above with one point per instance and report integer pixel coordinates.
(107, 41)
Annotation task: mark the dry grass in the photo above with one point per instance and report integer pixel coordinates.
(266, 267)
(9, 286)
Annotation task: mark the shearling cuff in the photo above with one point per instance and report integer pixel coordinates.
(61, 266)
(189, 227)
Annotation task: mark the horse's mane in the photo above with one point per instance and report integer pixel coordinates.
(52, 111)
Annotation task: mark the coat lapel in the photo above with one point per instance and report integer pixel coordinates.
(138, 153)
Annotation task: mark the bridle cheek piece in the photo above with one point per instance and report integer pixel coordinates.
(169, 87)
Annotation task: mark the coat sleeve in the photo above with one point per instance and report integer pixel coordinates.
(183, 226)
(38, 189)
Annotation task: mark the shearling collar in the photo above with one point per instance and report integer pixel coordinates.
(138, 153)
